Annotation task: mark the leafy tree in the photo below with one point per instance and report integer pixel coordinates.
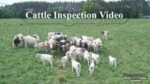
(6, 13)
(90, 7)
(130, 8)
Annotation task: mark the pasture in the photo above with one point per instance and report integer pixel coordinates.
(128, 42)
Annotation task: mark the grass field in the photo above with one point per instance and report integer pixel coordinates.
(129, 43)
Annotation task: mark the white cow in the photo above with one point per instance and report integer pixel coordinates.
(50, 34)
(112, 61)
(64, 61)
(39, 46)
(45, 58)
(79, 53)
(87, 38)
(77, 66)
(96, 44)
(71, 54)
(19, 36)
(87, 56)
(105, 33)
(91, 67)
(30, 39)
(95, 57)
(76, 41)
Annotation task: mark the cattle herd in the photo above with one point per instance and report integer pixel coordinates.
(74, 49)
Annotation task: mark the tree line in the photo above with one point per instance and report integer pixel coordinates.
(129, 8)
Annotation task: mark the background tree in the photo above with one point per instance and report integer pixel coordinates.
(6, 13)
(130, 8)
(90, 7)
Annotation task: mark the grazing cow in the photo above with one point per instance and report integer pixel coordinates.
(31, 39)
(105, 33)
(91, 67)
(112, 61)
(77, 66)
(64, 61)
(45, 58)
(18, 39)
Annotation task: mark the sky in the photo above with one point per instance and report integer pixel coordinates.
(9, 2)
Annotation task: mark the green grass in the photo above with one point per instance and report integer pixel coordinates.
(129, 43)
